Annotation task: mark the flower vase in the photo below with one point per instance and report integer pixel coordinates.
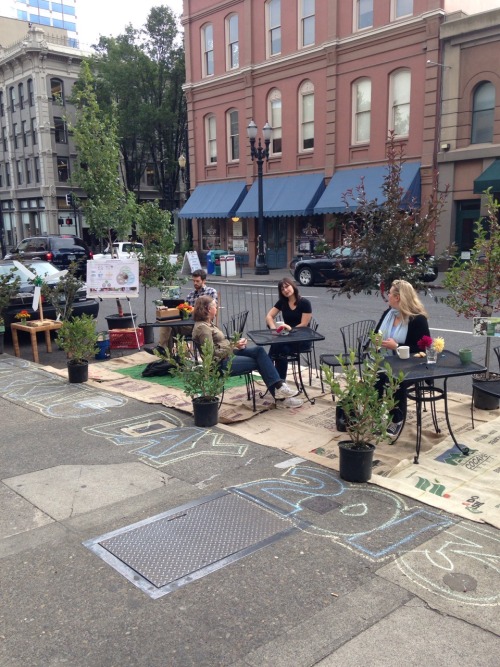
(185, 315)
(23, 321)
(431, 354)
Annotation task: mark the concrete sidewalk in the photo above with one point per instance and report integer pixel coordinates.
(351, 575)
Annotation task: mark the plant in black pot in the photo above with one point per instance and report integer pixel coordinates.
(474, 286)
(8, 287)
(203, 380)
(367, 414)
(78, 338)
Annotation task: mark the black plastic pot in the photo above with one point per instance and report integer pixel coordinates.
(484, 401)
(149, 332)
(120, 322)
(355, 465)
(205, 411)
(78, 372)
(2, 334)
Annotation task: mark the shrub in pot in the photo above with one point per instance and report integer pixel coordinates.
(367, 414)
(78, 338)
(8, 287)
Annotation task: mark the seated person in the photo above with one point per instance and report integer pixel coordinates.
(246, 359)
(296, 312)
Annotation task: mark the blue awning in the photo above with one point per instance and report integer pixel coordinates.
(284, 195)
(349, 179)
(214, 200)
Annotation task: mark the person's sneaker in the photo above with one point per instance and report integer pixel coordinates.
(285, 392)
(152, 350)
(394, 429)
(292, 402)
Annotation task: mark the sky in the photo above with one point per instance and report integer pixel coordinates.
(96, 17)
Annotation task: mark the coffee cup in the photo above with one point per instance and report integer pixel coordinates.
(465, 355)
(403, 352)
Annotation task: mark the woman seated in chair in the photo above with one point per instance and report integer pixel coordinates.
(403, 323)
(246, 359)
(296, 312)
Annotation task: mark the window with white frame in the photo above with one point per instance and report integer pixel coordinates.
(273, 20)
(233, 136)
(211, 135)
(363, 14)
(400, 88)
(233, 49)
(274, 113)
(307, 10)
(208, 50)
(362, 106)
(306, 95)
(483, 113)
(401, 8)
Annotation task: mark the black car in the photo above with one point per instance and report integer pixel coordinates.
(23, 298)
(335, 265)
(59, 250)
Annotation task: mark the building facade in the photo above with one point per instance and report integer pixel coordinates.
(45, 13)
(332, 79)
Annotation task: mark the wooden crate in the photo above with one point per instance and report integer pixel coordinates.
(125, 339)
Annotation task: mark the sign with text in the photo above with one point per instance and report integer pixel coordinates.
(112, 278)
(191, 263)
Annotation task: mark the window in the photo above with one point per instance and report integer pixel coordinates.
(361, 104)
(31, 96)
(274, 113)
(7, 174)
(57, 91)
(4, 139)
(208, 50)
(233, 50)
(33, 131)
(2, 109)
(12, 93)
(19, 169)
(37, 170)
(24, 133)
(307, 22)
(14, 134)
(150, 175)
(1, 176)
(273, 17)
(60, 131)
(62, 169)
(401, 8)
(364, 14)
(400, 87)
(483, 113)
(211, 135)
(306, 116)
(20, 90)
(27, 163)
(233, 132)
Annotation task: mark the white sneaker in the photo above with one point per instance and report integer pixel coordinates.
(285, 392)
(292, 402)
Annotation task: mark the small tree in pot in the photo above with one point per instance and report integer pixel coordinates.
(367, 413)
(8, 287)
(78, 338)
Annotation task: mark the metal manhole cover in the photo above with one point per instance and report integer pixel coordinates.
(171, 549)
(320, 505)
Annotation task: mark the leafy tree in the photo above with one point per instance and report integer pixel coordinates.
(383, 234)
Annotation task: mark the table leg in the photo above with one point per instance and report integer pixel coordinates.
(15, 342)
(465, 451)
(302, 388)
(48, 342)
(418, 405)
(34, 346)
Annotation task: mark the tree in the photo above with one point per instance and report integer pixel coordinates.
(383, 234)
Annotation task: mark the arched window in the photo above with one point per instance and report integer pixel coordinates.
(20, 89)
(57, 91)
(2, 110)
(400, 89)
(306, 116)
(211, 139)
(12, 98)
(483, 113)
(232, 42)
(361, 106)
(273, 23)
(233, 135)
(207, 48)
(31, 97)
(274, 115)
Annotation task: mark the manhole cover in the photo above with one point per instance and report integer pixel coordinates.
(171, 549)
(320, 504)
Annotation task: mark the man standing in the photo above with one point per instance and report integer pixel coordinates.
(166, 339)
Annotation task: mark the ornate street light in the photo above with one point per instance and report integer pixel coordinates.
(260, 153)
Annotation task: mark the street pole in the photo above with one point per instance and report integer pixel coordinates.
(259, 154)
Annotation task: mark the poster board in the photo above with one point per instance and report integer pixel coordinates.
(112, 278)
(191, 263)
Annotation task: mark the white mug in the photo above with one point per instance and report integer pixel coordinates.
(403, 352)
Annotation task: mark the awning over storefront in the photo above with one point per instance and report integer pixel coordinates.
(490, 178)
(284, 195)
(349, 179)
(214, 200)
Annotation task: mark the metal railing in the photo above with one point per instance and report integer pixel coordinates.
(235, 297)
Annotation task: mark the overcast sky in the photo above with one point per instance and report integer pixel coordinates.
(109, 17)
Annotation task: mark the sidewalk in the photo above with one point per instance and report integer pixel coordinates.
(298, 568)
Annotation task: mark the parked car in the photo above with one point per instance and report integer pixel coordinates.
(23, 299)
(335, 265)
(121, 250)
(60, 250)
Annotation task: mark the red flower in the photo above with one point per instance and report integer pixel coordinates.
(424, 343)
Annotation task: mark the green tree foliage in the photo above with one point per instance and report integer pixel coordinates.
(385, 233)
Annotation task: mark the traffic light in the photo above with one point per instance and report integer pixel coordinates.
(69, 199)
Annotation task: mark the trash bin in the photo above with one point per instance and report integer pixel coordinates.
(216, 255)
(228, 265)
(210, 263)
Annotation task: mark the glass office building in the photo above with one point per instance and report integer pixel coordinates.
(47, 13)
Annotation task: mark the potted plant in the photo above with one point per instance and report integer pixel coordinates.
(203, 379)
(8, 287)
(367, 413)
(474, 286)
(78, 338)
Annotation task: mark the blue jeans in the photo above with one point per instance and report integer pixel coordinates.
(255, 359)
(279, 353)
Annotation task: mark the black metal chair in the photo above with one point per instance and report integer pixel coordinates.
(354, 337)
(236, 324)
(496, 350)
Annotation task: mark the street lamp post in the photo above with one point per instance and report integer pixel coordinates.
(260, 153)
